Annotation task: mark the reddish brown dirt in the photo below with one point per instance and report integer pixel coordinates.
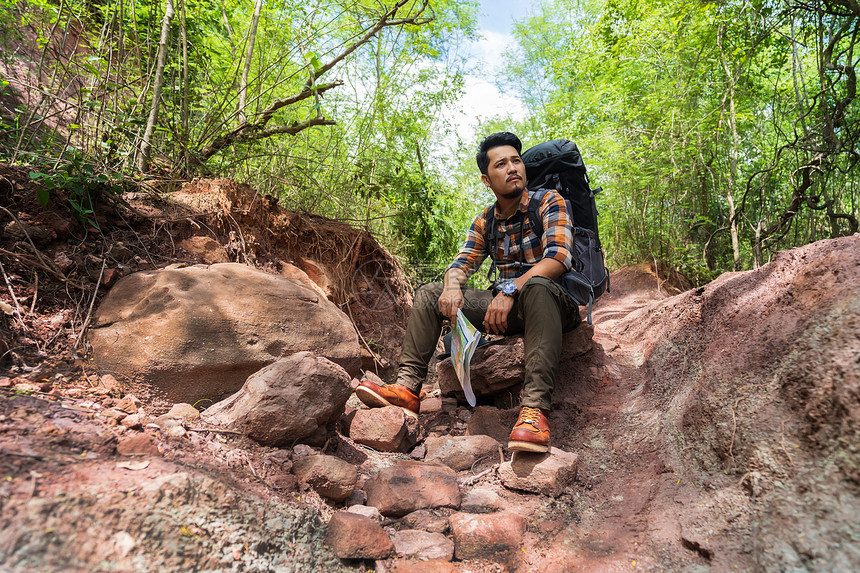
(716, 428)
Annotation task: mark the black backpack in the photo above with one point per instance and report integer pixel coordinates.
(558, 165)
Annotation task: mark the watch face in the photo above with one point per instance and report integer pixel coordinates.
(509, 288)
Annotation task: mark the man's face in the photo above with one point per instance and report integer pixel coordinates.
(506, 173)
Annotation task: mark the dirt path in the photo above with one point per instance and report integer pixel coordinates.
(627, 504)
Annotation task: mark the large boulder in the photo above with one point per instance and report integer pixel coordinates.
(297, 399)
(195, 333)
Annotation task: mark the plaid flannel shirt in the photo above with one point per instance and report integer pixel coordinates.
(554, 244)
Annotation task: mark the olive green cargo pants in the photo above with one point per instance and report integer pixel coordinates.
(542, 312)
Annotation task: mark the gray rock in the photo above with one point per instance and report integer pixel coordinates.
(185, 412)
(366, 511)
(357, 497)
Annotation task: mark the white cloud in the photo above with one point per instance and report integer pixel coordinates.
(482, 99)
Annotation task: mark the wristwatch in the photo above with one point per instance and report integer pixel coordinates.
(510, 289)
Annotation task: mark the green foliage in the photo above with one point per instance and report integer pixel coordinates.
(687, 110)
(385, 113)
(81, 181)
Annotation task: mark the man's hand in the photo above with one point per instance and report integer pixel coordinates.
(496, 319)
(450, 301)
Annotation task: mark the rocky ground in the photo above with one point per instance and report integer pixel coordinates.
(710, 429)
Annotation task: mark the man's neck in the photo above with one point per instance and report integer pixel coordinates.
(508, 207)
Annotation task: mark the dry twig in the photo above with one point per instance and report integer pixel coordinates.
(14, 298)
(90, 311)
(734, 429)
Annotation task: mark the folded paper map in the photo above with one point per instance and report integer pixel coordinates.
(464, 340)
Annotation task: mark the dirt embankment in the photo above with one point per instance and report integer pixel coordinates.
(200, 222)
(716, 427)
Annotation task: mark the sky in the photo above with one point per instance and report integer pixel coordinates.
(482, 98)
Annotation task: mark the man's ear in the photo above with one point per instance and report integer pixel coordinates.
(486, 179)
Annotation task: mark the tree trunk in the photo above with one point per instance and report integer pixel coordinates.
(249, 53)
(161, 58)
(186, 90)
(733, 165)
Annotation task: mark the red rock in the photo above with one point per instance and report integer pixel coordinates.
(487, 536)
(499, 367)
(461, 452)
(409, 485)
(110, 276)
(331, 477)
(139, 445)
(113, 414)
(353, 536)
(129, 404)
(295, 273)
(110, 383)
(386, 429)
(431, 405)
(297, 398)
(434, 521)
(283, 482)
(432, 566)
(216, 326)
(207, 248)
(489, 421)
(548, 474)
(318, 273)
(423, 545)
(480, 500)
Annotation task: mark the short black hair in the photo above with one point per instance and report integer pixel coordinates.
(495, 140)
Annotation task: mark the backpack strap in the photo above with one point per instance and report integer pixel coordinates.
(490, 240)
(534, 212)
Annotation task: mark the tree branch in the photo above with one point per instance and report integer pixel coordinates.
(255, 130)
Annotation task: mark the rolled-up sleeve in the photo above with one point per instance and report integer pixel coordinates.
(474, 250)
(558, 230)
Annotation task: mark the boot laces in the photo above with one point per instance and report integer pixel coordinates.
(530, 416)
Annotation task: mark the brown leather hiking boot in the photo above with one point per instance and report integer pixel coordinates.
(377, 396)
(531, 432)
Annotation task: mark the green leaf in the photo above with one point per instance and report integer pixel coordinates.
(42, 196)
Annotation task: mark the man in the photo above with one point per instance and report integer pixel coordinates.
(525, 298)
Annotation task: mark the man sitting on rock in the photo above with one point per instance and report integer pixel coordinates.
(525, 298)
